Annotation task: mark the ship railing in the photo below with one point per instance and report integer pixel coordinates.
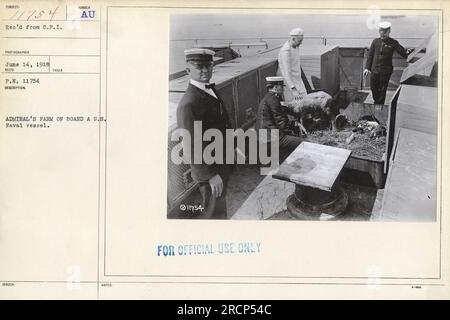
(265, 41)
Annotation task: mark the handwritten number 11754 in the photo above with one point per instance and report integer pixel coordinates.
(34, 14)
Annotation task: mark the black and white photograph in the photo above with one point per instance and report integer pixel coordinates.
(303, 117)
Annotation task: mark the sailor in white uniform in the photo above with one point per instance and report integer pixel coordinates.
(289, 67)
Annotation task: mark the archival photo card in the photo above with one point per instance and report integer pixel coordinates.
(303, 117)
(224, 150)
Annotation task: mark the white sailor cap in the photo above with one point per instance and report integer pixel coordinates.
(384, 25)
(275, 81)
(199, 54)
(296, 32)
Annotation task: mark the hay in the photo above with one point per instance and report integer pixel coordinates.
(362, 145)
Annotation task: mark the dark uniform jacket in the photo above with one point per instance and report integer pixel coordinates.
(197, 105)
(271, 115)
(379, 59)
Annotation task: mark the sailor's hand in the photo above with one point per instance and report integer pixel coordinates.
(297, 108)
(303, 131)
(366, 72)
(408, 51)
(216, 186)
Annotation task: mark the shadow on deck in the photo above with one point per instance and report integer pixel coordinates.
(363, 200)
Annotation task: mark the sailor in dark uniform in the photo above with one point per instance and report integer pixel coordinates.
(201, 102)
(379, 61)
(272, 115)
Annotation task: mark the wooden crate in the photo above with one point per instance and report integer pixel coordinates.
(321, 67)
(351, 67)
(417, 109)
(329, 71)
(374, 167)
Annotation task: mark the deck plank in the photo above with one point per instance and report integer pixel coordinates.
(410, 194)
(257, 206)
